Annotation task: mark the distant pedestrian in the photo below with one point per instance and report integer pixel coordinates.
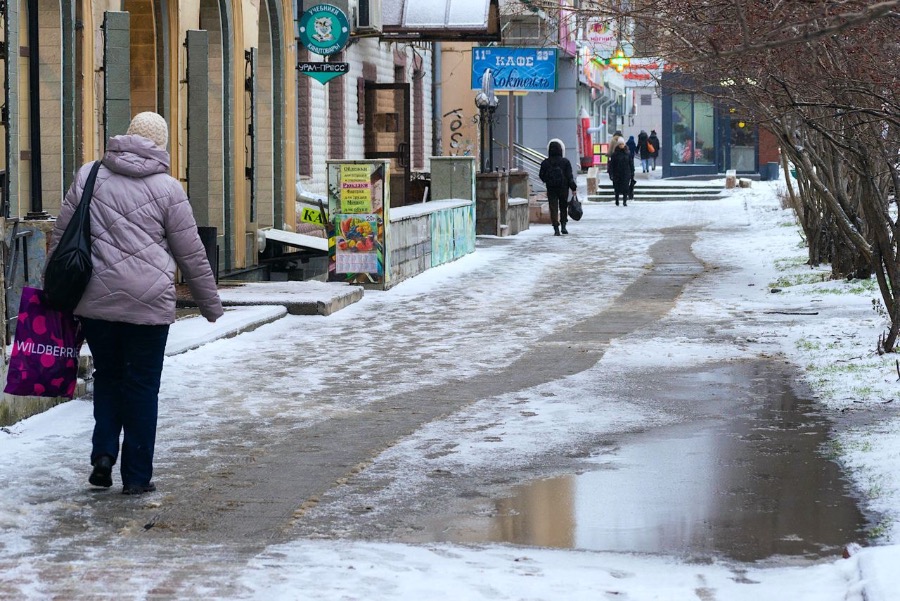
(654, 151)
(142, 228)
(621, 171)
(632, 146)
(644, 151)
(614, 141)
(556, 173)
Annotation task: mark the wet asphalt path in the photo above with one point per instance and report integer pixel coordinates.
(259, 499)
(235, 480)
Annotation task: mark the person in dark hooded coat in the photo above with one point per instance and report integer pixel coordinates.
(621, 171)
(654, 141)
(632, 146)
(556, 173)
(644, 151)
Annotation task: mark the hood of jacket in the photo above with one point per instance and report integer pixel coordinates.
(135, 156)
(556, 148)
(142, 230)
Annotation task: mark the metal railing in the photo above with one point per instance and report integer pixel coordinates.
(529, 160)
(10, 261)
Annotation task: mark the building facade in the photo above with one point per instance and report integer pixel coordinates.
(703, 137)
(246, 126)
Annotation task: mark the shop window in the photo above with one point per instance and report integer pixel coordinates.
(743, 145)
(693, 126)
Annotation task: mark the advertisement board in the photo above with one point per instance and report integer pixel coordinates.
(357, 201)
(516, 69)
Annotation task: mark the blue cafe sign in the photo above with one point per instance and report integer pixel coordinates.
(516, 69)
(324, 29)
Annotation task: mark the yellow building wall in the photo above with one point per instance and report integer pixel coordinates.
(459, 128)
(182, 16)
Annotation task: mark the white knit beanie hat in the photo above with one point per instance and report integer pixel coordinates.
(151, 126)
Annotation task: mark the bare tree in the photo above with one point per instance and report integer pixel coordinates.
(822, 77)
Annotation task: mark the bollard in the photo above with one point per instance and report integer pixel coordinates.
(730, 179)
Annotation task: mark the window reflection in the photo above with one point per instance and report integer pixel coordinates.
(743, 145)
(693, 125)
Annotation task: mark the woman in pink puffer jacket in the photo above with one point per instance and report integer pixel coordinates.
(142, 227)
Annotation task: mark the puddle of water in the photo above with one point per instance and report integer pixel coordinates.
(742, 478)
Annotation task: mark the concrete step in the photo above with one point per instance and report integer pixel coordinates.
(655, 197)
(247, 307)
(663, 190)
(660, 192)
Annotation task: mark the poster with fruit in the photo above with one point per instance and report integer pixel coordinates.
(356, 249)
(357, 232)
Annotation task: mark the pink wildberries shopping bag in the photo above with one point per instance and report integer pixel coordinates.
(44, 358)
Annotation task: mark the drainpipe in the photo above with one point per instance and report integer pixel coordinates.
(436, 102)
(34, 106)
(604, 102)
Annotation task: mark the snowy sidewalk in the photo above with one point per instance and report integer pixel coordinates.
(225, 403)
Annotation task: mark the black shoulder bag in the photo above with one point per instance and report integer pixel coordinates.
(575, 209)
(69, 269)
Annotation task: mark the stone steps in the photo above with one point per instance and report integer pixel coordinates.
(662, 192)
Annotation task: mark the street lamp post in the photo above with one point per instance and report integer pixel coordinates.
(486, 101)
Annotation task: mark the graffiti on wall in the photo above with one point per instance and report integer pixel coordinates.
(458, 139)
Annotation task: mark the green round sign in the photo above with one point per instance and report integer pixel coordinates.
(324, 29)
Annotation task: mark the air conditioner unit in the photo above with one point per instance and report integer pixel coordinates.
(367, 16)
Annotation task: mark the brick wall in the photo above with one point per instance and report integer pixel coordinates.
(50, 49)
(304, 120)
(210, 21)
(265, 153)
(337, 112)
(768, 148)
(378, 61)
(143, 55)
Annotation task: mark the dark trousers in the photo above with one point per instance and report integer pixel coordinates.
(128, 361)
(559, 205)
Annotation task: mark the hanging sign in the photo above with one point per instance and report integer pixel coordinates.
(515, 69)
(310, 215)
(323, 72)
(324, 29)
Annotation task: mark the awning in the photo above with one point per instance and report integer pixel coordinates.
(441, 20)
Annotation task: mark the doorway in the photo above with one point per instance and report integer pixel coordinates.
(387, 134)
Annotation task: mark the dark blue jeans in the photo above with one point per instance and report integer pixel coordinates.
(128, 362)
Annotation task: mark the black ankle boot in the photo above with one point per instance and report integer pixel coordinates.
(555, 230)
(101, 475)
(563, 229)
(138, 489)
